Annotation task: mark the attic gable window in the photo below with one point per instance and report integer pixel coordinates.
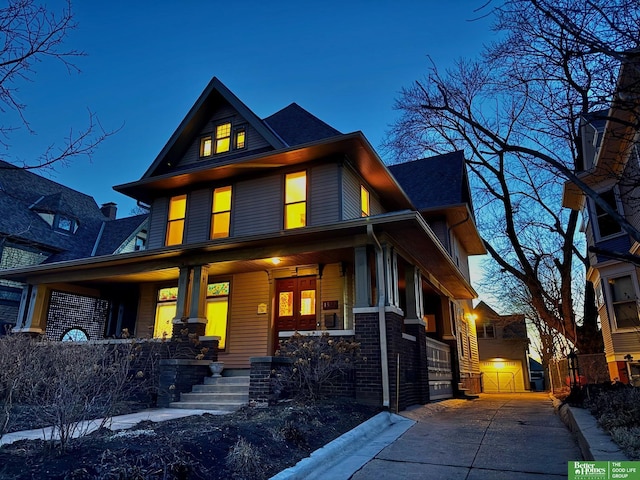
(223, 138)
(206, 145)
(239, 138)
(66, 224)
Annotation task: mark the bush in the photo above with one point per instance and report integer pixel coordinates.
(318, 362)
(244, 460)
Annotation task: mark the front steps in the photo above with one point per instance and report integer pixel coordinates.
(222, 393)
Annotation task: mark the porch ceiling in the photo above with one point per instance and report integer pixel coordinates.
(311, 245)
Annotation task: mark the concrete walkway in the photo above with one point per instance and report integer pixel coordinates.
(496, 437)
(118, 422)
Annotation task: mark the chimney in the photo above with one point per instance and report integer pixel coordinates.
(109, 210)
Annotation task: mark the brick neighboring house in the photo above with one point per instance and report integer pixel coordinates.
(43, 222)
(260, 228)
(503, 346)
(611, 167)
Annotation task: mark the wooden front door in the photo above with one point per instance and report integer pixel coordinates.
(296, 304)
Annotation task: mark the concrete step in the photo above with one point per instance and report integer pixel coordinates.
(227, 381)
(220, 388)
(215, 397)
(231, 407)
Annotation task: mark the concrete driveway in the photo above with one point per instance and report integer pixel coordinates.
(497, 437)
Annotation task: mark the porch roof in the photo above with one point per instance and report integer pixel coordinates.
(323, 244)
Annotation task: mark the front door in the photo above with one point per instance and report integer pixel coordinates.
(296, 304)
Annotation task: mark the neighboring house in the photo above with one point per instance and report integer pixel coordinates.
(263, 227)
(503, 346)
(536, 375)
(610, 166)
(43, 222)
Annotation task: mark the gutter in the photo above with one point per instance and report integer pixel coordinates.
(384, 360)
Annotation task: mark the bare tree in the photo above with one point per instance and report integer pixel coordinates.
(29, 34)
(516, 112)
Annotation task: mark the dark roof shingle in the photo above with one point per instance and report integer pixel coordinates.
(297, 126)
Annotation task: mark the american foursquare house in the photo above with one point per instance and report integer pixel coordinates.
(260, 228)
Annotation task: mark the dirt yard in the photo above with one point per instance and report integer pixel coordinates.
(249, 444)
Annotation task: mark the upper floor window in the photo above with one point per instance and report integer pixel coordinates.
(67, 224)
(206, 146)
(240, 136)
(140, 241)
(175, 222)
(221, 212)
(606, 224)
(223, 138)
(365, 207)
(486, 330)
(295, 200)
(624, 301)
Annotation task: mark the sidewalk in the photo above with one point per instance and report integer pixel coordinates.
(119, 422)
(496, 437)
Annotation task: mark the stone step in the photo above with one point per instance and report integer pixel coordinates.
(217, 388)
(215, 397)
(227, 381)
(228, 407)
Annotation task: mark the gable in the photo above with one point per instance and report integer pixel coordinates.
(216, 105)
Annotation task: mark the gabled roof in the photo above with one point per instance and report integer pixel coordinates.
(297, 126)
(117, 232)
(213, 95)
(439, 187)
(24, 195)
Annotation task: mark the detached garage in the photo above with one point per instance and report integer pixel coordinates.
(503, 375)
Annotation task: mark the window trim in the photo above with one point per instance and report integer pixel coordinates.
(613, 321)
(214, 213)
(217, 139)
(179, 219)
(236, 132)
(598, 237)
(305, 202)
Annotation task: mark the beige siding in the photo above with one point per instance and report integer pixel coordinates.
(350, 194)
(332, 289)
(324, 195)
(253, 139)
(374, 204)
(626, 342)
(198, 216)
(247, 331)
(258, 206)
(606, 329)
(146, 310)
(158, 223)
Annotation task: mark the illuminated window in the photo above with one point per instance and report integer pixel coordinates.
(206, 145)
(221, 212)
(223, 138)
(240, 137)
(307, 302)
(295, 200)
(364, 202)
(624, 300)
(165, 312)
(175, 223)
(217, 311)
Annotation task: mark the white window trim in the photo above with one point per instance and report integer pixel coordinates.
(613, 323)
(594, 217)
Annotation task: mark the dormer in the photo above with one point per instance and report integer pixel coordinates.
(54, 211)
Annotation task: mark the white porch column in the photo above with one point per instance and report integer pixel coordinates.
(414, 298)
(198, 294)
(34, 305)
(182, 302)
(362, 277)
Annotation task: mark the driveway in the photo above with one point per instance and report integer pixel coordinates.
(497, 437)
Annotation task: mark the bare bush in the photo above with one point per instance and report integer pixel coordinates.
(318, 361)
(15, 352)
(244, 460)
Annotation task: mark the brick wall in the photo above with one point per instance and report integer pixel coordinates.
(368, 373)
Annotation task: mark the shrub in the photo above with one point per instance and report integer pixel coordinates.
(318, 362)
(15, 353)
(244, 460)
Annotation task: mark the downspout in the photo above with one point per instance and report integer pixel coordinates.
(384, 360)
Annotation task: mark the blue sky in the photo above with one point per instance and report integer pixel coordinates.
(147, 62)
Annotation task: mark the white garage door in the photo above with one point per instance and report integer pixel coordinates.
(502, 376)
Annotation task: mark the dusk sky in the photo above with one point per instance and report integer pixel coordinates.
(147, 62)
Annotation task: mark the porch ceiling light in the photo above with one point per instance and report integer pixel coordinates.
(275, 260)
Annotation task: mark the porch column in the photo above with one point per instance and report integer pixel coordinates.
(198, 299)
(183, 295)
(34, 305)
(362, 277)
(391, 275)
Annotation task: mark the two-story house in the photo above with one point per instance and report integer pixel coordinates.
(260, 228)
(610, 166)
(44, 222)
(503, 346)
